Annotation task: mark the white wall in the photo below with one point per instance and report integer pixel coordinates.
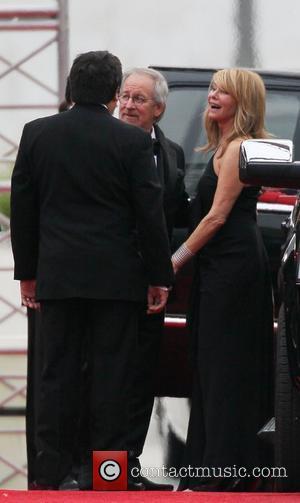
(184, 32)
(160, 32)
(278, 34)
(199, 33)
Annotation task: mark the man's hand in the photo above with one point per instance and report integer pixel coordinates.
(157, 299)
(28, 293)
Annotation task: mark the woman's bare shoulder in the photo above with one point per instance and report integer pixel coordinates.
(233, 148)
(235, 144)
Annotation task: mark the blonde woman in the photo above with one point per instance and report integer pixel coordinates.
(231, 309)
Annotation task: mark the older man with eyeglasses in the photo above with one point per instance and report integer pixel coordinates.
(142, 98)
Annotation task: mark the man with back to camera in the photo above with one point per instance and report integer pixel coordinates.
(142, 100)
(84, 192)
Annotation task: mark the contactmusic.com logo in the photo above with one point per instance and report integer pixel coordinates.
(110, 470)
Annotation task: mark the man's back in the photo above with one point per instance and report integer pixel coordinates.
(94, 184)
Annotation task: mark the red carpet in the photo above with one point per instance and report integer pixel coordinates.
(143, 497)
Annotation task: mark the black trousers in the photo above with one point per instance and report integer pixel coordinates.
(106, 331)
(150, 331)
(34, 370)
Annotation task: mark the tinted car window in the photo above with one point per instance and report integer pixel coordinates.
(182, 123)
(282, 113)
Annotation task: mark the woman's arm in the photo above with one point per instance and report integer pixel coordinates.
(228, 189)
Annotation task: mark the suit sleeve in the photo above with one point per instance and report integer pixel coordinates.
(148, 201)
(24, 215)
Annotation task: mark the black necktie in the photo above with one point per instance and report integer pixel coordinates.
(156, 145)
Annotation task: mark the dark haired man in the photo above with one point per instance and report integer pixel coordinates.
(83, 183)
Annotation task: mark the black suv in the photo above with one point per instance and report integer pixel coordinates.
(182, 122)
(271, 162)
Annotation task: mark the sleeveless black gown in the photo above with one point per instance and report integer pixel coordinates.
(231, 322)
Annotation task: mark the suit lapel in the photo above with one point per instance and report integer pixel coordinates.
(161, 167)
(167, 167)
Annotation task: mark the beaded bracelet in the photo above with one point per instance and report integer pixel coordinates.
(182, 255)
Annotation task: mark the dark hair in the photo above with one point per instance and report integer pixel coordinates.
(95, 77)
(68, 97)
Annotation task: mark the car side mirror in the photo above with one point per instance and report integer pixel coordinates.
(269, 162)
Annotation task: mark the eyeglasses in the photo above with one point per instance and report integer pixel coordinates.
(137, 100)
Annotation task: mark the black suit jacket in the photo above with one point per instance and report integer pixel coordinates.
(82, 183)
(171, 170)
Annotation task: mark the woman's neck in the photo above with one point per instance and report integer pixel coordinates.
(225, 130)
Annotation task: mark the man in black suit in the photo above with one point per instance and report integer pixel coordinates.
(142, 99)
(88, 238)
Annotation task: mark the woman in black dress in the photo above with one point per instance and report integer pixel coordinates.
(231, 317)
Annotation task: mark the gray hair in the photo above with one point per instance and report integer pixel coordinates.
(161, 89)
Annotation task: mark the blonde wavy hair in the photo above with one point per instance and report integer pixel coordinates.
(248, 90)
